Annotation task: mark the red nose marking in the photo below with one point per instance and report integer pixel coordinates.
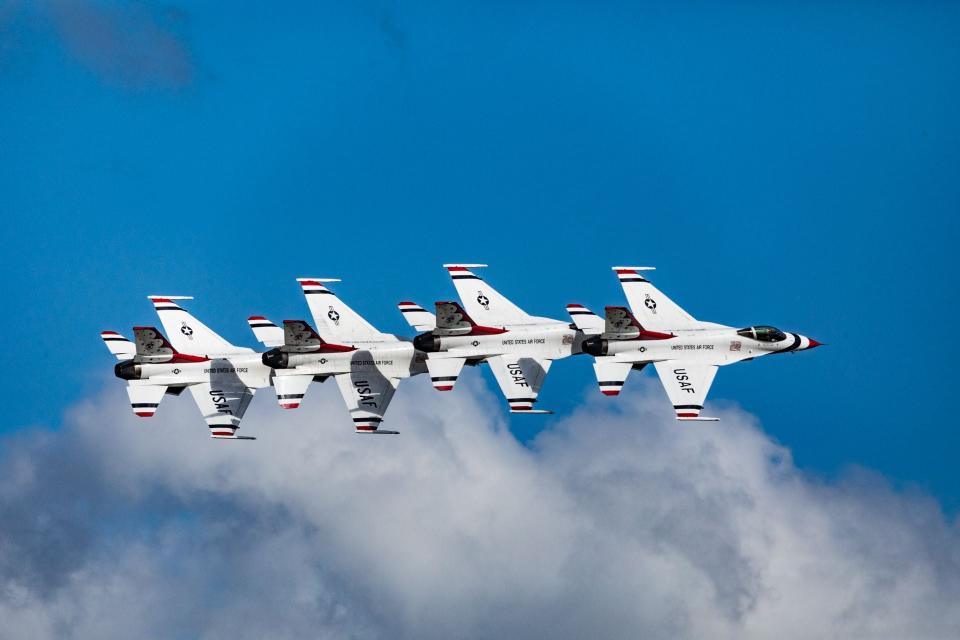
(813, 343)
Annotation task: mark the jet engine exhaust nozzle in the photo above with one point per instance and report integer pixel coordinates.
(595, 346)
(127, 370)
(426, 342)
(276, 359)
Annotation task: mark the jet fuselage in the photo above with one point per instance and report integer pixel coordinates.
(716, 346)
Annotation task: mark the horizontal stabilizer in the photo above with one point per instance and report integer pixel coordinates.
(119, 346)
(416, 316)
(269, 334)
(584, 319)
(699, 419)
(378, 432)
(291, 389)
(233, 437)
(145, 398)
(531, 411)
(611, 375)
(444, 371)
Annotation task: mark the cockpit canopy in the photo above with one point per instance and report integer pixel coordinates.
(763, 333)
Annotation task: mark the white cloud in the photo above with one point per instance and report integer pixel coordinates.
(619, 522)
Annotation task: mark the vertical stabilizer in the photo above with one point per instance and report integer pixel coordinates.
(186, 333)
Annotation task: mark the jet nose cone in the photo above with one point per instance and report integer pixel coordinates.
(813, 343)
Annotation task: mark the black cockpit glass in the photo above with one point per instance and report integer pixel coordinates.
(763, 333)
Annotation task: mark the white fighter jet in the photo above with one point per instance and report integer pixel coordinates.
(221, 377)
(366, 363)
(685, 352)
(518, 347)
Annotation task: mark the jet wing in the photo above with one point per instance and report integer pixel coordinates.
(367, 393)
(222, 401)
(520, 379)
(687, 385)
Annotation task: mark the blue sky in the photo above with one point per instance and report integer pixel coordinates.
(787, 165)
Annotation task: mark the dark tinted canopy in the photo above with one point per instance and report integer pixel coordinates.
(763, 333)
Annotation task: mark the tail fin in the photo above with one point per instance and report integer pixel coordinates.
(655, 310)
(484, 303)
(187, 333)
(120, 347)
(269, 334)
(334, 319)
(417, 317)
(584, 319)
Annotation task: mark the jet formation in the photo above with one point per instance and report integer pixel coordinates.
(482, 327)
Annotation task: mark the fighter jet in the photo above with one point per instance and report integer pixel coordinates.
(487, 327)
(221, 377)
(685, 352)
(366, 363)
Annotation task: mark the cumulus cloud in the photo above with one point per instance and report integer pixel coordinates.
(618, 522)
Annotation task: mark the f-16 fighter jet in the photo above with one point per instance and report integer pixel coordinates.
(221, 377)
(487, 327)
(367, 364)
(684, 351)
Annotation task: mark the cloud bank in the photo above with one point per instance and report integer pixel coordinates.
(617, 523)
